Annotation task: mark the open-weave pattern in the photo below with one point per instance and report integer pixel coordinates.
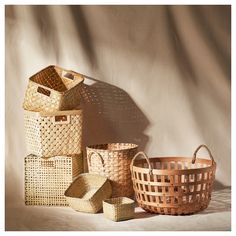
(47, 179)
(52, 90)
(53, 134)
(173, 185)
(87, 192)
(117, 209)
(113, 161)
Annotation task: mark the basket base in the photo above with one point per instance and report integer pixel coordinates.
(174, 211)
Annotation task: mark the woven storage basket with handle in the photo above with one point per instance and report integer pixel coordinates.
(173, 185)
(113, 161)
(117, 209)
(87, 192)
(47, 179)
(52, 89)
(54, 133)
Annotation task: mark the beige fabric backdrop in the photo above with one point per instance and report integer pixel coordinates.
(159, 76)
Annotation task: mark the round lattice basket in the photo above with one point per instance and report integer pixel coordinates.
(113, 161)
(173, 185)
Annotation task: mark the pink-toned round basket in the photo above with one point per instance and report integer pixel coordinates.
(173, 185)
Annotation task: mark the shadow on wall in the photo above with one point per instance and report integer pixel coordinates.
(110, 115)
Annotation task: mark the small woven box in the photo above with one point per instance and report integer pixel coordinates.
(47, 179)
(117, 209)
(54, 133)
(53, 89)
(87, 192)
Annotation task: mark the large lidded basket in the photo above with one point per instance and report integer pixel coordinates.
(52, 89)
(113, 161)
(87, 193)
(47, 179)
(54, 133)
(173, 185)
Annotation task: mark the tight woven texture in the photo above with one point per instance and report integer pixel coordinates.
(113, 161)
(118, 209)
(47, 179)
(173, 185)
(87, 192)
(53, 89)
(53, 134)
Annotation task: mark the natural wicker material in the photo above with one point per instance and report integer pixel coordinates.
(113, 161)
(173, 185)
(47, 179)
(117, 209)
(87, 192)
(53, 134)
(52, 89)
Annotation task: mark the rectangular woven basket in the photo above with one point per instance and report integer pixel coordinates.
(54, 133)
(47, 179)
(52, 89)
(117, 209)
(87, 192)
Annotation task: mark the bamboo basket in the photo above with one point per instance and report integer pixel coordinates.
(47, 179)
(113, 161)
(117, 209)
(52, 89)
(173, 185)
(53, 134)
(87, 192)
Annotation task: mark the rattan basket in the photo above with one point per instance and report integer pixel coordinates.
(47, 179)
(53, 134)
(173, 185)
(117, 209)
(87, 192)
(52, 89)
(113, 161)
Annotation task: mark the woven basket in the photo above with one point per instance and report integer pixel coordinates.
(53, 134)
(87, 192)
(52, 89)
(113, 161)
(47, 179)
(173, 185)
(117, 209)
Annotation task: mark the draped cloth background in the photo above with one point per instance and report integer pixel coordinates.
(159, 76)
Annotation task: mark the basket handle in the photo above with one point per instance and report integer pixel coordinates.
(61, 119)
(147, 159)
(44, 91)
(208, 150)
(96, 153)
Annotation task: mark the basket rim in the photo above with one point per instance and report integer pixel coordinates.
(108, 201)
(54, 113)
(60, 68)
(175, 171)
(93, 147)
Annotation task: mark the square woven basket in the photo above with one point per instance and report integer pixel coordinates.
(47, 179)
(120, 208)
(54, 133)
(87, 192)
(53, 89)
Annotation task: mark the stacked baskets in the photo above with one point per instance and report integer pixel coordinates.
(54, 166)
(53, 128)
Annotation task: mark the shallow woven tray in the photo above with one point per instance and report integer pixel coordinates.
(87, 192)
(53, 133)
(52, 89)
(173, 185)
(47, 179)
(113, 161)
(117, 209)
